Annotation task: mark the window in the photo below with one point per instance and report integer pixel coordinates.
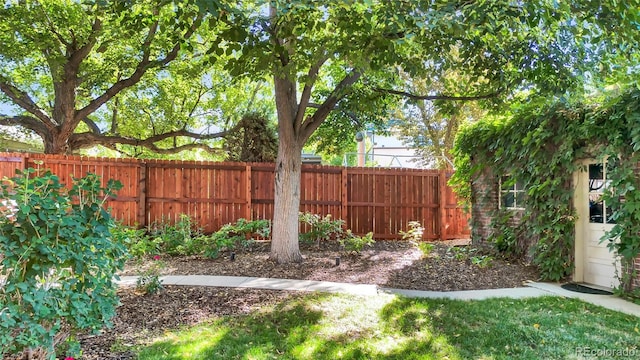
(599, 210)
(511, 193)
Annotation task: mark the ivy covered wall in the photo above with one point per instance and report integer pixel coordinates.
(540, 147)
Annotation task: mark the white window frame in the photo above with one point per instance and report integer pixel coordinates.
(513, 189)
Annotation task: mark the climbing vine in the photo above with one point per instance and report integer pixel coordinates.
(540, 146)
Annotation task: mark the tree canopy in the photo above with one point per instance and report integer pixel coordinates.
(112, 73)
(430, 127)
(321, 56)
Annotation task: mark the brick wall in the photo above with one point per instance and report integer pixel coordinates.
(636, 281)
(484, 201)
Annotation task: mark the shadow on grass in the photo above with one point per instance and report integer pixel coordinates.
(318, 326)
(537, 328)
(322, 326)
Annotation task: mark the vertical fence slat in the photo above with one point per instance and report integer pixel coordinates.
(442, 204)
(344, 198)
(247, 192)
(142, 195)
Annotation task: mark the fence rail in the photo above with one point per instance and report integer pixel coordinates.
(215, 193)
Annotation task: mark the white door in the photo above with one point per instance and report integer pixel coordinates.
(599, 263)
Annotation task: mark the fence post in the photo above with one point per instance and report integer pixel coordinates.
(442, 204)
(142, 195)
(248, 193)
(25, 162)
(344, 198)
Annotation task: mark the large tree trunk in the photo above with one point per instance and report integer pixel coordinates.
(57, 141)
(284, 244)
(294, 128)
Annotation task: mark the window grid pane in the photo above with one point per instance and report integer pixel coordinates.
(511, 193)
(599, 211)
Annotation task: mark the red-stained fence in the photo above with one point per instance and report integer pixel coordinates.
(381, 200)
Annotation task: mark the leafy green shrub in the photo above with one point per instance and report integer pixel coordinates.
(462, 253)
(503, 237)
(414, 233)
(185, 238)
(482, 261)
(149, 281)
(181, 238)
(234, 235)
(470, 254)
(426, 248)
(458, 252)
(58, 262)
(138, 243)
(321, 228)
(355, 244)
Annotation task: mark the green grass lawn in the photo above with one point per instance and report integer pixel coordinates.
(322, 326)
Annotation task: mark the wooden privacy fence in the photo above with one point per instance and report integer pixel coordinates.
(215, 193)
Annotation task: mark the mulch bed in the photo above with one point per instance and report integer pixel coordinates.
(391, 264)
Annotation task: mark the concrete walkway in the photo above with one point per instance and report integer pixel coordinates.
(533, 289)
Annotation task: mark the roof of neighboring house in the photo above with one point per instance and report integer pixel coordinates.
(17, 146)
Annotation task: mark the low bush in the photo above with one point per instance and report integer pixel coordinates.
(425, 248)
(472, 255)
(461, 253)
(186, 238)
(149, 281)
(482, 261)
(354, 244)
(137, 241)
(182, 238)
(414, 233)
(321, 228)
(240, 234)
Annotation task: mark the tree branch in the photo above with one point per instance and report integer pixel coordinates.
(23, 100)
(142, 67)
(65, 86)
(195, 104)
(312, 123)
(252, 99)
(92, 125)
(350, 114)
(78, 56)
(312, 75)
(88, 139)
(28, 122)
(283, 56)
(437, 97)
(52, 28)
(190, 134)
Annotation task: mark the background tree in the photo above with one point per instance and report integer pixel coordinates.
(253, 140)
(67, 65)
(430, 127)
(363, 109)
(187, 94)
(500, 46)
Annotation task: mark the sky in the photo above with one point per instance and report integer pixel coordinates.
(6, 109)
